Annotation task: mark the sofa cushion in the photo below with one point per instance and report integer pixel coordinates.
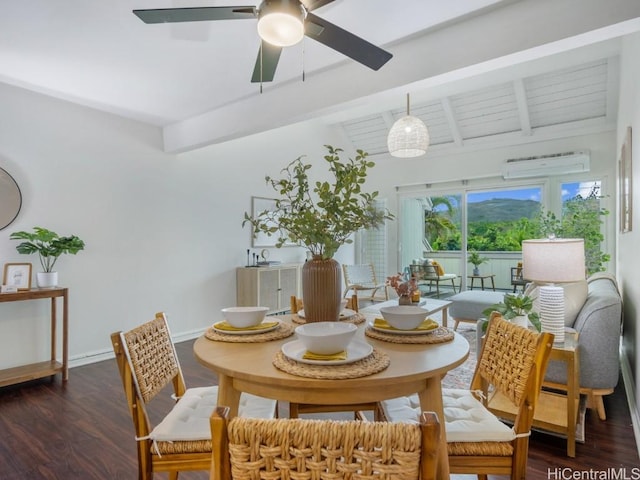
(598, 325)
(575, 295)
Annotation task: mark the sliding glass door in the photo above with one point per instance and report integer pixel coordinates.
(447, 225)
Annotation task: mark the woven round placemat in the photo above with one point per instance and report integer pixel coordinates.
(284, 330)
(358, 318)
(374, 363)
(439, 335)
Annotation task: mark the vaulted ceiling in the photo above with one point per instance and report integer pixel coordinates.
(478, 71)
(579, 97)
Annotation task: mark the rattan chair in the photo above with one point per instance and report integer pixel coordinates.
(148, 363)
(246, 448)
(362, 278)
(511, 366)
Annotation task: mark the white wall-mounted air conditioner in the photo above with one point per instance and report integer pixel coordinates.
(546, 165)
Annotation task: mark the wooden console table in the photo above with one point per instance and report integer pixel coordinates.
(51, 367)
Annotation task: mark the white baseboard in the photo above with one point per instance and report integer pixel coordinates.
(107, 354)
(630, 388)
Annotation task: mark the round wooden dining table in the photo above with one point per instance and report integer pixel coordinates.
(413, 368)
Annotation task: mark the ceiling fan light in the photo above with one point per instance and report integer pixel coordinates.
(408, 137)
(281, 23)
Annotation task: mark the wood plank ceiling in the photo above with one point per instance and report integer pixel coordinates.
(574, 97)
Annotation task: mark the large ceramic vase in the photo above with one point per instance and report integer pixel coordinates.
(321, 289)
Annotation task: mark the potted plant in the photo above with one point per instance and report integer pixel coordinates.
(476, 260)
(49, 246)
(320, 216)
(516, 308)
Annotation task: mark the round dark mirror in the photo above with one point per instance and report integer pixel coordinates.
(10, 199)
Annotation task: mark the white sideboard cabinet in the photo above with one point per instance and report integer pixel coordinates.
(270, 286)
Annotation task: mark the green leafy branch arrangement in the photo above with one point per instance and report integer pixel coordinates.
(322, 217)
(513, 306)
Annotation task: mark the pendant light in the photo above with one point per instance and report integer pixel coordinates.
(408, 136)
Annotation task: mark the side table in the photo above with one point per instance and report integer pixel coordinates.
(482, 278)
(24, 373)
(557, 411)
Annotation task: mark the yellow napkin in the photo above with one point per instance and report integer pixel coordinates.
(223, 325)
(319, 356)
(426, 325)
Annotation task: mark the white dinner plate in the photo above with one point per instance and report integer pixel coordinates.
(356, 350)
(253, 331)
(344, 314)
(401, 332)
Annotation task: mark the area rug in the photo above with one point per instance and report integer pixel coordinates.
(460, 377)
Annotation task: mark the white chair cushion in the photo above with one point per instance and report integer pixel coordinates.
(189, 418)
(466, 419)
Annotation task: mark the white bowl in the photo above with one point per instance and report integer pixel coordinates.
(404, 317)
(243, 317)
(326, 338)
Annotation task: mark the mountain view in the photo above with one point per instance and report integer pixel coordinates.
(502, 209)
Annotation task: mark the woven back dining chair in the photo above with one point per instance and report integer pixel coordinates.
(511, 367)
(148, 363)
(246, 448)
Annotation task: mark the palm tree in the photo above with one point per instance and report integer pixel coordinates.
(438, 221)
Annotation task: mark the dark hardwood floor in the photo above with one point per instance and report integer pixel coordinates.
(82, 430)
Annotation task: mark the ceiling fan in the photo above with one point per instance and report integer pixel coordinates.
(281, 23)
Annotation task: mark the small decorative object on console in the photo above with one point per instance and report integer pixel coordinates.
(404, 287)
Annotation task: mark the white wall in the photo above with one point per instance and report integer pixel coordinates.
(162, 232)
(628, 265)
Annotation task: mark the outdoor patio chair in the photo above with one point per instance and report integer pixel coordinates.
(363, 278)
(477, 441)
(430, 273)
(516, 278)
(283, 448)
(148, 363)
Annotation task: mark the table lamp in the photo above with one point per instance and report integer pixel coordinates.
(550, 262)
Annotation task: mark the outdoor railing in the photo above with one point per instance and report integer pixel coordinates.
(498, 264)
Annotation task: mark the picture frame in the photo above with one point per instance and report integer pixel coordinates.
(17, 275)
(260, 239)
(626, 184)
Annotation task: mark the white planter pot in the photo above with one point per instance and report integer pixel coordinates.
(521, 320)
(47, 279)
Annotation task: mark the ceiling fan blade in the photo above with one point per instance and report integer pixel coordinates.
(313, 4)
(345, 42)
(195, 14)
(266, 63)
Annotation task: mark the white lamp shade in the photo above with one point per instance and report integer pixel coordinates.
(553, 260)
(408, 137)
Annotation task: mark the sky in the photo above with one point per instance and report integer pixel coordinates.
(569, 190)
